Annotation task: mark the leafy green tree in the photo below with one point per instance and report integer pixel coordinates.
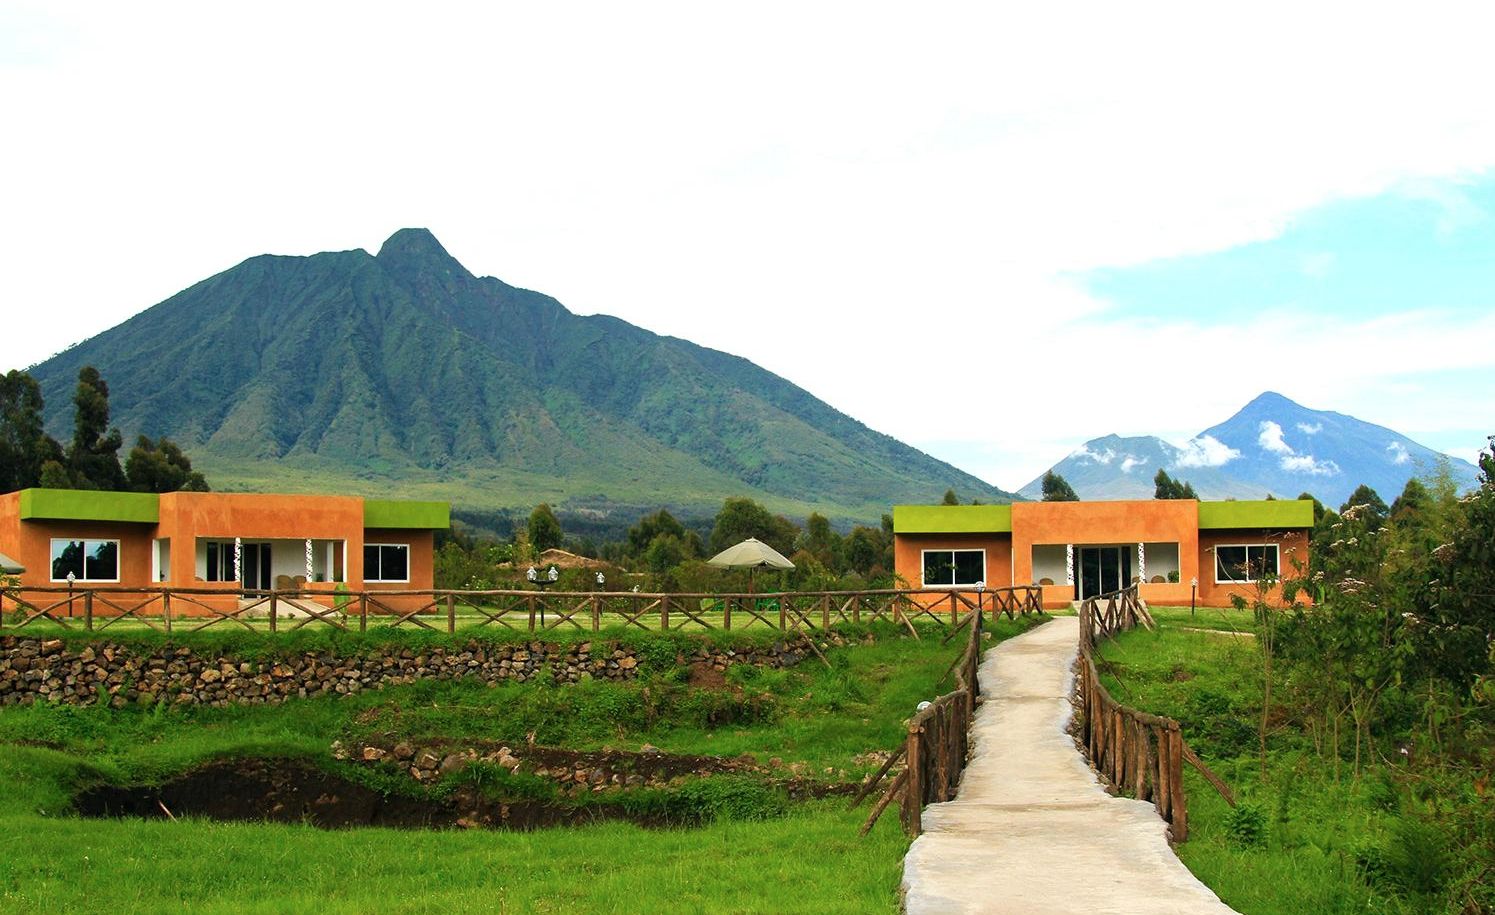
(863, 549)
(648, 527)
(1057, 489)
(821, 541)
(55, 476)
(1165, 487)
(665, 552)
(25, 445)
(1368, 497)
(1318, 507)
(544, 529)
(93, 457)
(160, 466)
(741, 518)
(950, 498)
(1454, 622)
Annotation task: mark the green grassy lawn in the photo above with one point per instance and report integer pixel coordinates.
(809, 861)
(1308, 827)
(816, 720)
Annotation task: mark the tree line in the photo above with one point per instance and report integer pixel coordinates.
(661, 553)
(30, 457)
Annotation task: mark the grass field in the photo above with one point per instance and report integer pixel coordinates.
(1307, 833)
(813, 718)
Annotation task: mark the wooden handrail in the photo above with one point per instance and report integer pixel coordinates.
(544, 610)
(1132, 749)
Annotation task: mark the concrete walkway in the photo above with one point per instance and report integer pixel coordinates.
(1031, 830)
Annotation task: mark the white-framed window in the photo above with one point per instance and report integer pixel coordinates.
(386, 562)
(954, 568)
(1243, 563)
(86, 560)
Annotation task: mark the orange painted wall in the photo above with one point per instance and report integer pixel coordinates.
(1292, 550)
(30, 544)
(1149, 521)
(908, 555)
(1097, 523)
(186, 517)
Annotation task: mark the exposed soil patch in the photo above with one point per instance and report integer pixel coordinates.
(704, 675)
(294, 791)
(298, 791)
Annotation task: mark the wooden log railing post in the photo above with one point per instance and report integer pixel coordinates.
(664, 613)
(363, 611)
(451, 613)
(166, 610)
(727, 613)
(272, 611)
(913, 798)
(597, 613)
(88, 610)
(530, 601)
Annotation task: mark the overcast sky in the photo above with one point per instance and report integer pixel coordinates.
(991, 231)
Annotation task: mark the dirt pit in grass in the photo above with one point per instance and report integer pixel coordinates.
(299, 791)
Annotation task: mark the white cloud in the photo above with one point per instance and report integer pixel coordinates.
(1084, 453)
(1306, 463)
(1132, 461)
(1271, 438)
(1398, 453)
(1205, 451)
(1313, 429)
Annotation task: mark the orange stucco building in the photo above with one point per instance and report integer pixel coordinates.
(1175, 549)
(219, 541)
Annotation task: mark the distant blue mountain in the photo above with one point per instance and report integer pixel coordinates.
(1272, 446)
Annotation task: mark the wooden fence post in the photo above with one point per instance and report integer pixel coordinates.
(166, 609)
(913, 798)
(88, 610)
(363, 611)
(825, 611)
(727, 613)
(272, 611)
(451, 613)
(530, 601)
(664, 613)
(1178, 803)
(597, 613)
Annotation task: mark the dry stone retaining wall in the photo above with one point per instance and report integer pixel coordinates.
(50, 670)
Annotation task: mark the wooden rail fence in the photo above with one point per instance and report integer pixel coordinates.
(938, 741)
(170, 609)
(1135, 751)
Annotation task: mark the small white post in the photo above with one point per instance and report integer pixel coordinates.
(308, 559)
(1142, 562)
(1069, 563)
(238, 560)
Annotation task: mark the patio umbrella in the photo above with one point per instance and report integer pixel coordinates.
(9, 566)
(750, 554)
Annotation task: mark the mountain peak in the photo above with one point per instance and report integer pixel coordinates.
(1272, 399)
(412, 243)
(418, 250)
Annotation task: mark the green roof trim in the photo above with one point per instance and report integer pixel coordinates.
(89, 505)
(381, 513)
(1267, 513)
(952, 519)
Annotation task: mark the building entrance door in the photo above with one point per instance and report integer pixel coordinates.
(254, 559)
(1103, 569)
